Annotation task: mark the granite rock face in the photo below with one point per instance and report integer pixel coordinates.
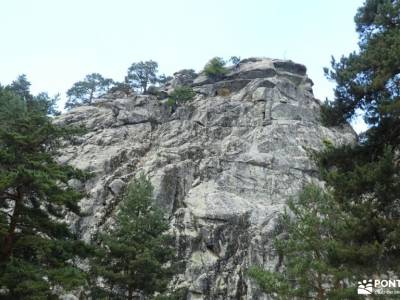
(223, 166)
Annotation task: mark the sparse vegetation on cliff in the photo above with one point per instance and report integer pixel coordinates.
(142, 74)
(83, 92)
(215, 68)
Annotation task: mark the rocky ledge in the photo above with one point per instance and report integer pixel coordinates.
(223, 166)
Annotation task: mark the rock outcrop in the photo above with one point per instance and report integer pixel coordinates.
(223, 166)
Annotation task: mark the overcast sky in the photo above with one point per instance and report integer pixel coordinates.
(58, 42)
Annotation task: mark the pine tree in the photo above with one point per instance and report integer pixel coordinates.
(37, 250)
(369, 79)
(316, 260)
(141, 74)
(83, 92)
(134, 252)
(366, 177)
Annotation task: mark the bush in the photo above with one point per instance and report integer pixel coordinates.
(121, 87)
(215, 68)
(182, 94)
(171, 102)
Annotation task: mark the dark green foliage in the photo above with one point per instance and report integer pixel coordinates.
(369, 79)
(182, 94)
(121, 87)
(134, 252)
(141, 74)
(36, 249)
(331, 115)
(83, 92)
(215, 68)
(369, 189)
(171, 102)
(21, 87)
(49, 103)
(316, 256)
(366, 177)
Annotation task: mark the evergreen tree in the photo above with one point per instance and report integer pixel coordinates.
(366, 177)
(369, 79)
(21, 87)
(83, 92)
(141, 74)
(134, 252)
(311, 243)
(36, 249)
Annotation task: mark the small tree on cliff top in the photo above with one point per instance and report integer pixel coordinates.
(83, 92)
(215, 68)
(141, 74)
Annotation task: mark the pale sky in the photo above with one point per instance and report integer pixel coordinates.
(57, 42)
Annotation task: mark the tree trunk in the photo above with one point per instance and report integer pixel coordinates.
(321, 291)
(144, 86)
(130, 294)
(91, 96)
(9, 238)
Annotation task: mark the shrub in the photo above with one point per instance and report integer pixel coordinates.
(121, 87)
(171, 102)
(182, 94)
(215, 68)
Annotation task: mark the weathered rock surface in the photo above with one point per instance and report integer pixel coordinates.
(223, 167)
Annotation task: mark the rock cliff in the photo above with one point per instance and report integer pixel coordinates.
(223, 166)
